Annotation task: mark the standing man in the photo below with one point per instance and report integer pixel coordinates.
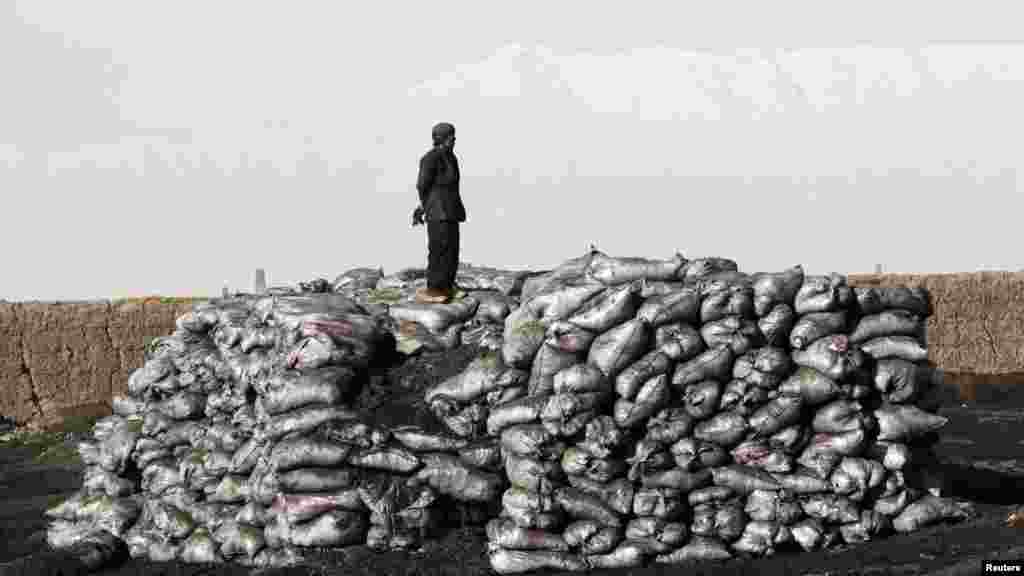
(441, 207)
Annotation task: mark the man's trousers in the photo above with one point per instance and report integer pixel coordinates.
(443, 253)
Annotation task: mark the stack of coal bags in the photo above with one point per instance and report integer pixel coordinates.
(237, 419)
(437, 326)
(357, 281)
(630, 410)
(92, 523)
(486, 278)
(463, 402)
(461, 471)
(757, 412)
(468, 277)
(380, 487)
(891, 331)
(486, 328)
(307, 486)
(484, 297)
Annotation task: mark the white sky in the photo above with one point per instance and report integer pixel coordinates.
(165, 148)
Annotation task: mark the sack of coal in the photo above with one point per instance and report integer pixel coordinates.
(401, 516)
(505, 561)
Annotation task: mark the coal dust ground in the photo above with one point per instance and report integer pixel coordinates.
(982, 450)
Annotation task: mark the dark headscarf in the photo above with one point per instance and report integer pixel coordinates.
(441, 132)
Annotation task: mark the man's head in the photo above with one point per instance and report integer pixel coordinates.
(443, 134)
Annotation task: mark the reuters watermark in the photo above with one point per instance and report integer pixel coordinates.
(1002, 567)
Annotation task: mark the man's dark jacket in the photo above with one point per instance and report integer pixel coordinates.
(438, 185)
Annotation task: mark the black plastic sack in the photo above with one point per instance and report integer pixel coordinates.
(624, 269)
(619, 347)
(817, 325)
(738, 334)
(680, 342)
(743, 397)
(888, 323)
(607, 309)
(771, 289)
(823, 294)
(713, 364)
(873, 300)
(678, 306)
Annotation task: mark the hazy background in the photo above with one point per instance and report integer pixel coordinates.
(168, 147)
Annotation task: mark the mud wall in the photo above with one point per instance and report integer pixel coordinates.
(58, 359)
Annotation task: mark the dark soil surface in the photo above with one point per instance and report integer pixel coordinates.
(982, 454)
(393, 391)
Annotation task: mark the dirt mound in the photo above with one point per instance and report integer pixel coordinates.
(395, 384)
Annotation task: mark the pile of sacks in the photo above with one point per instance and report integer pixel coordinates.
(675, 410)
(235, 443)
(484, 298)
(622, 410)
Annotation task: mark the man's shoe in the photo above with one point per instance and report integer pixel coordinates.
(445, 296)
(431, 296)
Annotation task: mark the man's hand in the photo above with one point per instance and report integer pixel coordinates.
(417, 216)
